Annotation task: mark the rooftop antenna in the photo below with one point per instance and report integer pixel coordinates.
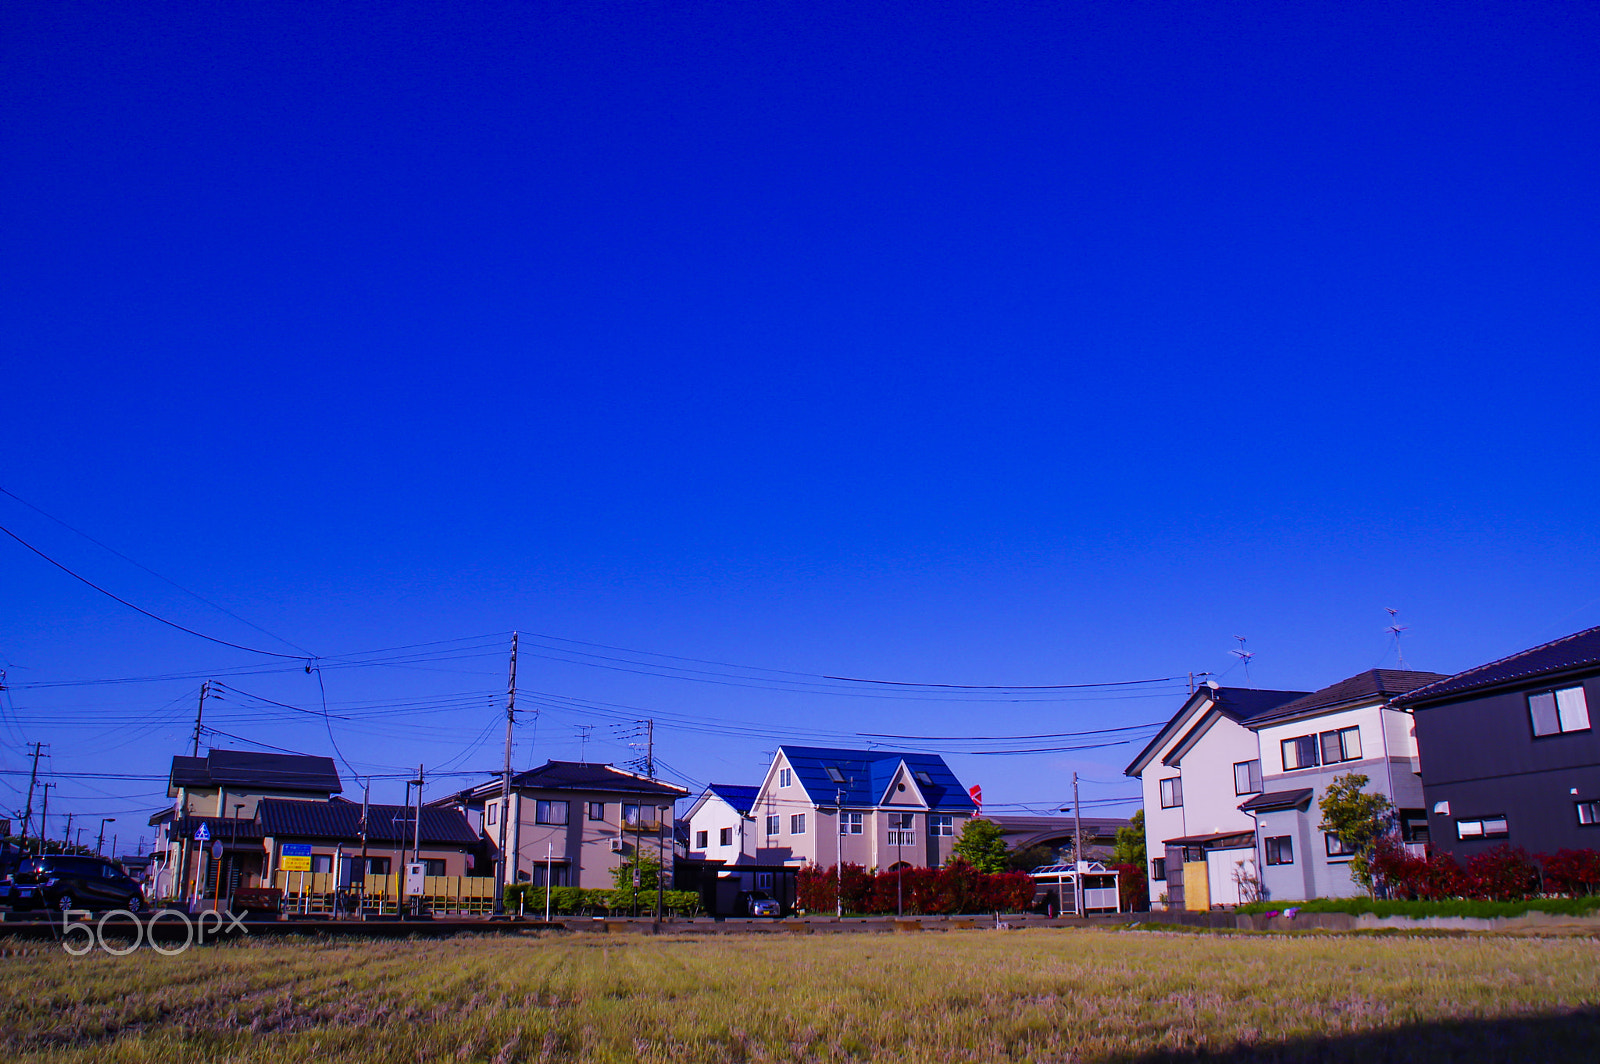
(583, 742)
(1395, 630)
(1244, 656)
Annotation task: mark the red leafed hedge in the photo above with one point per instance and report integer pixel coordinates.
(1505, 873)
(955, 888)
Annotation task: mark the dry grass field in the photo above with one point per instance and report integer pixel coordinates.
(1042, 995)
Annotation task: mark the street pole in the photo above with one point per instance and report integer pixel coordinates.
(44, 820)
(27, 813)
(66, 838)
(100, 843)
(838, 865)
(1077, 849)
(416, 844)
(505, 867)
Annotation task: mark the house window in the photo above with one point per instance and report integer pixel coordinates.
(850, 824)
(1488, 827)
(785, 777)
(597, 810)
(322, 862)
(377, 866)
(1558, 712)
(1589, 812)
(700, 839)
(1341, 745)
(545, 812)
(433, 866)
(1413, 825)
(834, 774)
(560, 875)
(1337, 847)
(900, 830)
(763, 880)
(1247, 777)
(1158, 868)
(1172, 792)
(494, 815)
(1193, 853)
(724, 836)
(1280, 850)
(941, 825)
(923, 778)
(797, 824)
(772, 824)
(1300, 752)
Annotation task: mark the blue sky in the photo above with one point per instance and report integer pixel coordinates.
(1006, 344)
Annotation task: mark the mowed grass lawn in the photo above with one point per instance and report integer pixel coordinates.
(1036, 995)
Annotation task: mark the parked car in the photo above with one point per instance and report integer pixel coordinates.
(57, 881)
(759, 903)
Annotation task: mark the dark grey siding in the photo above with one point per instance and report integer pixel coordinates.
(1480, 755)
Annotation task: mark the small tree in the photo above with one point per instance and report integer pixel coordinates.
(1129, 847)
(1358, 818)
(981, 846)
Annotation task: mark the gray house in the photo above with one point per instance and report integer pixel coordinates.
(1509, 754)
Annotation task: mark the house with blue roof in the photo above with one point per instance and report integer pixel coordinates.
(720, 826)
(876, 808)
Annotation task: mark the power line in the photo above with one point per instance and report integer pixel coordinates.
(139, 609)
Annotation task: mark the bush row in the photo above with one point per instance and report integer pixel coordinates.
(1505, 873)
(580, 901)
(956, 888)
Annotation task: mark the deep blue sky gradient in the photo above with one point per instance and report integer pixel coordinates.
(994, 343)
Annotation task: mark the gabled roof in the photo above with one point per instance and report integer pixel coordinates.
(1580, 650)
(741, 798)
(1272, 801)
(583, 776)
(1374, 685)
(251, 768)
(338, 819)
(868, 774)
(1239, 704)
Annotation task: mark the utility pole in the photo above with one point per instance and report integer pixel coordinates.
(1077, 848)
(507, 868)
(66, 838)
(27, 813)
(194, 748)
(44, 819)
(650, 748)
(366, 800)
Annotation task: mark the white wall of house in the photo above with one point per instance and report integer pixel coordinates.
(716, 820)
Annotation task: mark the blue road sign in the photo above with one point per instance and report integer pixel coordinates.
(201, 834)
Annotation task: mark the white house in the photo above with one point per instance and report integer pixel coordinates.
(1305, 744)
(720, 827)
(1193, 774)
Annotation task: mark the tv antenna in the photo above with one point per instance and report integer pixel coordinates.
(583, 742)
(1395, 630)
(1244, 657)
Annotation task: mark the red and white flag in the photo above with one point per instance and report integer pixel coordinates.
(975, 792)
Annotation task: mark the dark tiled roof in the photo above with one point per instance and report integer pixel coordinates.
(741, 798)
(225, 828)
(286, 818)
(249, 768)
(1217, 840)
(1239, 704)
(868, 773)
(1576, 651)
(1372, 685)
(582, 776)
(1278, 800)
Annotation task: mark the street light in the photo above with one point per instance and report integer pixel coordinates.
(100, 843)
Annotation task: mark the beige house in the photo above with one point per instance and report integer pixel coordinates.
(571, 822)
(874, 808)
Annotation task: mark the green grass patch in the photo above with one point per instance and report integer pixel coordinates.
(1588, 906)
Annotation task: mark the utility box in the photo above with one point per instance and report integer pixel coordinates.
(415, 879)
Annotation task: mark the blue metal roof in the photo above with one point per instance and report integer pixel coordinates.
(740, 797)
(868, 774)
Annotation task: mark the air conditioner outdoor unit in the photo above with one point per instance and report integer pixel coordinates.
(616, 845)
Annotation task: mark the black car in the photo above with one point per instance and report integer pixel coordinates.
(59, 882)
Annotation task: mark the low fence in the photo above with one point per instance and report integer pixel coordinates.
(318, 892)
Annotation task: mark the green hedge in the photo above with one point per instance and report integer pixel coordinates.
(1586, 906)
(574, 901)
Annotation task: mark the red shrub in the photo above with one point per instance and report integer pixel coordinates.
(1408, 877)
(1504, 873)
(1133, 889)
(955, 888)
(1572, 872)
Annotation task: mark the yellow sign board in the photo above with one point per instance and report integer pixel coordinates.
(295, 857)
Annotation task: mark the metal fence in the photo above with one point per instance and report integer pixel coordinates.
(318, 892)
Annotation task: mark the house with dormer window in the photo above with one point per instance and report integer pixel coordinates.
(876, 808)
